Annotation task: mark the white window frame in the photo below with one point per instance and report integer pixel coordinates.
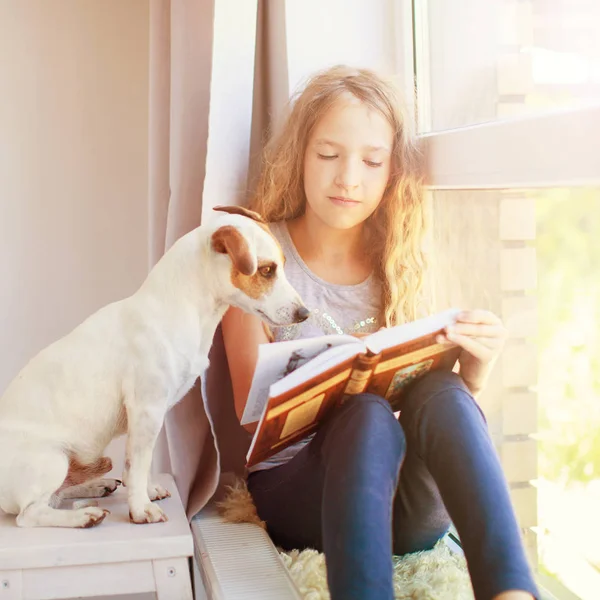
(559, 148)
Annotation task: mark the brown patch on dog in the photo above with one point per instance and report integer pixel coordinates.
(257, 285)
(245, 212)
(79, 473)
(228, 240)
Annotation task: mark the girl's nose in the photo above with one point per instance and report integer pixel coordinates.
(348, 176)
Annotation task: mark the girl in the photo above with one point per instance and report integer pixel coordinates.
(342, 189)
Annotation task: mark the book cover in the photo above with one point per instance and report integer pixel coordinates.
(334, 369)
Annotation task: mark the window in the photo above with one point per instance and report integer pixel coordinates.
(508, 111)
(508, 106)
(483, 61)
(533, 256)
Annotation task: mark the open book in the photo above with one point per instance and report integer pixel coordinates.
(298, 383)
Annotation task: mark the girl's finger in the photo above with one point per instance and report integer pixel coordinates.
(479, 316)
(478, 330)
(492, 344)
(472, 346)
(442, 339)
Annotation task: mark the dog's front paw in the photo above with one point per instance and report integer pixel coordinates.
(148, 513)
(157, 492)
(89, 517)
(100, 488)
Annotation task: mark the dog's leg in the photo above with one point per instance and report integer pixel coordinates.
(98, 488)
(83, 481)
(155, 490)
(46, 470)
(41, 514)
(144, 423)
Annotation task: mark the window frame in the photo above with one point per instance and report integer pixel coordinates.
(557, 148)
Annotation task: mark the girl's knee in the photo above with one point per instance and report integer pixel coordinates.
(367, 417)
(369, 403)
(371, 410)
(440, 395)
(446, 384)
(438, 382)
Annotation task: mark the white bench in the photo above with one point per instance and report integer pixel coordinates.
(115, 558)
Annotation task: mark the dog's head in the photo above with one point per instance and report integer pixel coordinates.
(253, 276)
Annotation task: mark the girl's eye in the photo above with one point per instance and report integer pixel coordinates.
(267, 271)
(369, 163)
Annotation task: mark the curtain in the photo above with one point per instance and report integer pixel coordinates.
(191, 169)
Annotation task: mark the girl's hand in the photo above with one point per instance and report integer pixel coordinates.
(481, 335)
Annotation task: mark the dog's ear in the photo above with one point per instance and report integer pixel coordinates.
(240, 210)
(228, 240)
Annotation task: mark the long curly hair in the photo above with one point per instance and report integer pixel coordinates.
(396, 229)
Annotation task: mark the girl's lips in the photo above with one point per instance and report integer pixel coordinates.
(341, 201)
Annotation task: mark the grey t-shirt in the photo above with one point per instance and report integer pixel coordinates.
(334, 309)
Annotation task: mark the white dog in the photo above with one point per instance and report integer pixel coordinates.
(123, 368)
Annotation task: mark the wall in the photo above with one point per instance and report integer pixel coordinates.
(73, 165)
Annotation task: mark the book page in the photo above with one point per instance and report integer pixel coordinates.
(279, 359)
(316, 366)
(394, 336)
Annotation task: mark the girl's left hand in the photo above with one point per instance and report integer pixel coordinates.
(481, 335)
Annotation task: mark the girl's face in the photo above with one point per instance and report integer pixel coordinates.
(347, 164)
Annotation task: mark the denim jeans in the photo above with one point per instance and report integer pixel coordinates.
(369, 485)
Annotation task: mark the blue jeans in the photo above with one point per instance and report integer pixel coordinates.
(368, 486)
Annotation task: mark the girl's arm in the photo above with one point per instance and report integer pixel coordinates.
(481, 336)
(242, 334)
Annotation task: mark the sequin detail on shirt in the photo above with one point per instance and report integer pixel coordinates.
(323, 320)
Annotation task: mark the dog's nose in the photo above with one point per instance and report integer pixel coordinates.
(302, 314)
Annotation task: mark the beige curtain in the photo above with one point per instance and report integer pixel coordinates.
(271, 79)
(194, 448)
(177, 148)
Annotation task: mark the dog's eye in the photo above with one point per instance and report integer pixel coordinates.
(267, 271)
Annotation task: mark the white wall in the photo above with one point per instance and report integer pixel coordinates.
(311, 35)
(73, 167)
(325, 33)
